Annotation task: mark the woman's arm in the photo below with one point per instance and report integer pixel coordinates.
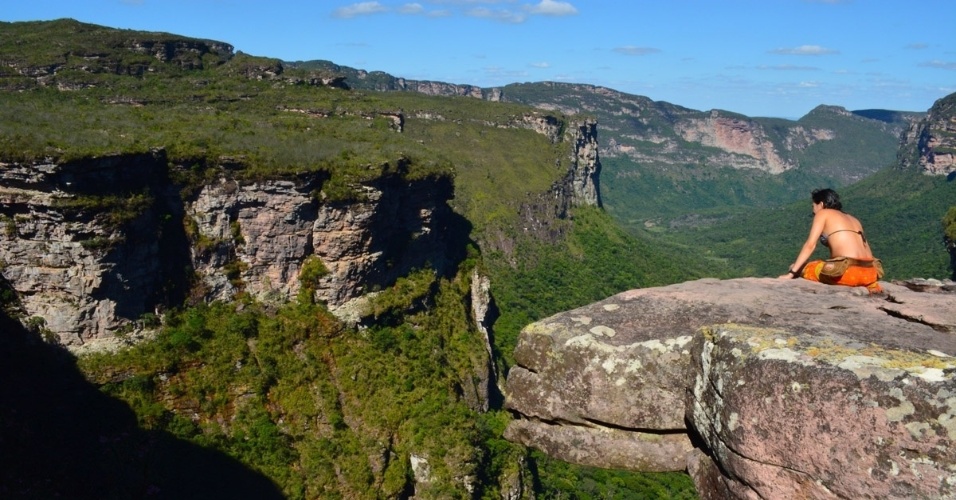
(819, 221)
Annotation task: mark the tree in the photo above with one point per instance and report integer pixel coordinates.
(949, 237)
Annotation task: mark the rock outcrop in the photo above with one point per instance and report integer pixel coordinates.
(80, 236)
(929, 146)
(760, 388)
(585, 169)
(738, 136)
(97, 49)
(269, 229)
(73, 263)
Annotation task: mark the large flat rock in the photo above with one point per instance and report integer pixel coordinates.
(787, 388)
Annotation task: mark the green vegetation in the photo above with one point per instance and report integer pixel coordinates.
(116, 210)
(325, 410)
(597, 260)
(949, 238)
(690, 195)
(949, 224)
(563, 481)
(328, 411)
(322, 410)
(653, 175)
(897, 209)
(857, 149)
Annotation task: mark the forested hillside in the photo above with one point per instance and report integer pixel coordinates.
(901, 212)
(664, 162)
(903, 208)
(316, 406)
(284, 396)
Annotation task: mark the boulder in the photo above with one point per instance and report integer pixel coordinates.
(757, 387)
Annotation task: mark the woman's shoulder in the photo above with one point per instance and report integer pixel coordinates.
(842, 220)
(829, 213)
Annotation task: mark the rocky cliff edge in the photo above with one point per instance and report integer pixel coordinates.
(759, 388)
(91, 246)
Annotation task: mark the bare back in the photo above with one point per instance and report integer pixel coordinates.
(844, 235)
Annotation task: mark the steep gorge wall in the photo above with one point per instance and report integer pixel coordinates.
(737, 136)
(91, 246)
(68, 264)
(580, 186)
(929, 146)
(271, 227)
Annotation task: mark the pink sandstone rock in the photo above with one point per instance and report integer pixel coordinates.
(787, 389)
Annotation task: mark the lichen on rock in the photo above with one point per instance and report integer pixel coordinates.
(787, 389)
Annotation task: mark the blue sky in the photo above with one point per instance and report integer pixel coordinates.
(757, 57)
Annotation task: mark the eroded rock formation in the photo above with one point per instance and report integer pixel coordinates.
(80, 236)
(759, 388)
(929, 145)
(736, 135)
(586, 166)
(269, 228)
(91, 246)
(70, 262)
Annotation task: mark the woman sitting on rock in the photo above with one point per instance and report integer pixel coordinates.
(851, 261)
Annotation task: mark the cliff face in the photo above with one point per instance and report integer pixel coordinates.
(586, 166)
(656, 133)
(738, 137)
(91, 246)
(929, 145)
(759, 388)
(268, 229)
(77, 266)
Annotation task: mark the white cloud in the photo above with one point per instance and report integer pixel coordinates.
(411, 8)
(788, 67)
(502, 15)
(935, 63)
(553, 8)
(805, 50)
(468, 2)
(916, 46)
(541, 65)
(636, 51)
(359, 9)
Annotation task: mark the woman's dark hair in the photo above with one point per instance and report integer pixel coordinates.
(828, 197)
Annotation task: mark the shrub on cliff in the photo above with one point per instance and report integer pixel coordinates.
(320, 409)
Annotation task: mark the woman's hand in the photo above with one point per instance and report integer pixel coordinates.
(789, 276)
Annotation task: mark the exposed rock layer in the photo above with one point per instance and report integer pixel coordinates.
(89, 273)
(758, 387)
(929, 145)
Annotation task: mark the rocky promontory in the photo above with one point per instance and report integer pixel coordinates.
(759, 388)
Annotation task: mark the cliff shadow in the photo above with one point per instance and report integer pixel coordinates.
(411, 241)
(60, 437)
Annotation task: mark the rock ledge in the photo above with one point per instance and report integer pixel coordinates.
(757, 387)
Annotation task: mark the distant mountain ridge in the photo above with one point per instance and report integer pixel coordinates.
(902, 207)
(407, 407)
(691, 160)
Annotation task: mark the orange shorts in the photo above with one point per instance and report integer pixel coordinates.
(854, 276)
